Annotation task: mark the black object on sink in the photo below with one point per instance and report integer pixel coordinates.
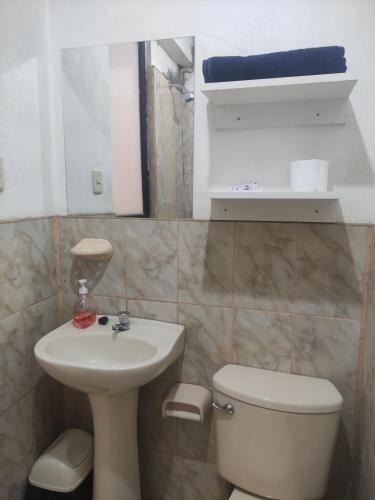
(103, 320)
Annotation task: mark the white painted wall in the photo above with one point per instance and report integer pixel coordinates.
(30, 143)
(25, 139)
(87, 130)
(243, 27)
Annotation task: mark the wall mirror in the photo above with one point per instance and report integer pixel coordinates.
(128, 128)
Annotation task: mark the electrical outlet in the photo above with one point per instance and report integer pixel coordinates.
(97, 181)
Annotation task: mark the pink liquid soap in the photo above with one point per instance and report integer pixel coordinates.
(84, 319)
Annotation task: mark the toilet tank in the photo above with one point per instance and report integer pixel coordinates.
(279, 440)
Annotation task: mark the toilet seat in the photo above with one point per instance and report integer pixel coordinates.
(243, 495)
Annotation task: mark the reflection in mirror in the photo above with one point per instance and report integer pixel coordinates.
(128, 128)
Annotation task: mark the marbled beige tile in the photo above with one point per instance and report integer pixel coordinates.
(264, 265)
(37, 260)
(47, 403)
(152, 259)
(205, 274)
(155, 432)
(14, 368)
(39, 319)
(168, 477)
(369, 344)
(161, 311)
(67, 305)
(341, 473)
(263, 340)
(77, 411)
(328, 348)
(105, 278)
(195, 480)
(68, 237)
(104, 305)
(17, 450)
(364, 486)
(156, 475)
(11, 298)
(109, 305)
(207, 341)
(330, 270)
(196, 440)
(366, 424)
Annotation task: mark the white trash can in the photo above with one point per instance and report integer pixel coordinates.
(62, 469)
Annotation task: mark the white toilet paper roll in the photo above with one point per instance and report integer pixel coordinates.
(309, 175)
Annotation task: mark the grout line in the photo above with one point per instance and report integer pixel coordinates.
(178, 315)
(114, 217)
(362, 337)
(17, 402)
(126, 263)
(224, 306)
(178, 260)
(26, 219)
(155, 451)
(235, 234)
(295, 298)
(39, 301)
(233, 312)
(56, 247)
(167, 219)
(296, 268)
(24, 308)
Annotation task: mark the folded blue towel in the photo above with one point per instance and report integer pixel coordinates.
(312, 61)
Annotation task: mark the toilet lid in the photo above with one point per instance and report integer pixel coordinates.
(277, 390)
(243, 495)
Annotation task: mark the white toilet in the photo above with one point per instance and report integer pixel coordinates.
(275, 432)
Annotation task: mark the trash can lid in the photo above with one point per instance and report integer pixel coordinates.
(64, 464)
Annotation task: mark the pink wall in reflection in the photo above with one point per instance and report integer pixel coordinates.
(125, 131)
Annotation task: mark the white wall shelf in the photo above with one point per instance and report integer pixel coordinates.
(270, 195)
(280, 102)
(296, 88)
(273, 103)
(273, 206)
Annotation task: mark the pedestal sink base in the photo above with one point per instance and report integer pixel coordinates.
(110, 368)
(116, 469)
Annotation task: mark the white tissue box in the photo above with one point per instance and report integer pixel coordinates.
(309, 175)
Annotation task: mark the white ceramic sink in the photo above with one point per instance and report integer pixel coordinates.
(110, 367)
(98, 360)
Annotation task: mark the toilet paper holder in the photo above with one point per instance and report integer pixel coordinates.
(188, 402)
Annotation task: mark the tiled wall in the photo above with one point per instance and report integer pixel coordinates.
(284, 297)
(365, 452)
(30, 411)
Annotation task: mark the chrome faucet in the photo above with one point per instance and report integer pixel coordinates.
(124, 322)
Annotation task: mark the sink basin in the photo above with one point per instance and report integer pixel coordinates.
(98, 360)
(110, 367)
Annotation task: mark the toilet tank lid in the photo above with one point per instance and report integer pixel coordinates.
(277, 390)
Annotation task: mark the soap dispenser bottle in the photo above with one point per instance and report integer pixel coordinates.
(84, 313)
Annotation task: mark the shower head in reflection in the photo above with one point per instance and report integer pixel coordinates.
(188, 95)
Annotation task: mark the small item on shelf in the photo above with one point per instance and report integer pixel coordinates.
(309, 175)
(103, 320)
(251, 186)
(84, 313)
